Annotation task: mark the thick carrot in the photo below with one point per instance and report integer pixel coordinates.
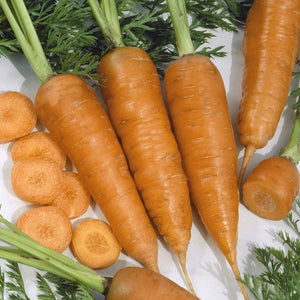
(271, 48)
(271, 188)
(81, 127)
(36, 180)
(94, 244)
(134, 283)
(38, 144)
(200, 116)
(131, 89)
(74, 198)
(17, 116)
(48, 225)
(71, 111)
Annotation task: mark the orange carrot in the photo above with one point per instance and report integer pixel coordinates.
(80, 125)
(94, 244)
(48, 225)
(73, 114)
(74, 198)
(131, 89)
(36, 180)
(271, 48)
(271, 188)
(134, 283)
(200, 117)
(17, 116)
(38, 144)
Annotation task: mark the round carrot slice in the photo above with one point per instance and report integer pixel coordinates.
(36, 180)
(94, 244)
(38, 144)
(48, 225)
(17, 116)
(74, 198)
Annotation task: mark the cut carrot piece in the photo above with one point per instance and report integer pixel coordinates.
(38, 144)
(48, 225)
(37, 180)
(94, 244)
(74, 198)
(17, 116)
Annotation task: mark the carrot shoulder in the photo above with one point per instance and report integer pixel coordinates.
(271, 48)
(71, 111)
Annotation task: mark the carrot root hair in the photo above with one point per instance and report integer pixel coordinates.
(249, 151)
(182, 262)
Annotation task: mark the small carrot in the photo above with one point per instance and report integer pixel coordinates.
(36, 180)
(134, 283)
(271, 48)
(38, 144)
(48, 225)
(74, 198)
(131, 89)
(71, 111)
(94, 244)
(17, 116)
(196, 98)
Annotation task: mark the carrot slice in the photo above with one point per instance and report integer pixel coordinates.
(271, 188)
(38, 144)
(48, 225)
(17, 116)
(94, 244)
(36, 180)
(74, 198)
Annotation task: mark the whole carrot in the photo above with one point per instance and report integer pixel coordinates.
(199, 113)
(271, 48)
(71, 111)
(131, 89)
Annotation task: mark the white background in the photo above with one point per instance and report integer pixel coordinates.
(209, 272)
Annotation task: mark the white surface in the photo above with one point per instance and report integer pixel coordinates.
(209, 272)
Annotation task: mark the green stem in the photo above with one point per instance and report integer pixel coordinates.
(106, 16)
(67, 267)
(27, 37)
(292, 150)
(179, 18)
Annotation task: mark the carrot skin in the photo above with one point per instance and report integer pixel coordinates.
(132, 283)
(71, 111)
(271, 48)
(132, 93)
(271, 188)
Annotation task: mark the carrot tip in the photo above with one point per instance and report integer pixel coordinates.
(249, 151)
(237, 276)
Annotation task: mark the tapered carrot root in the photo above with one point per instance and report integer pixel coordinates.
(74, 198)
(133, 283)
(271, 47)
(271, 188)
(38, 144)
(199, 112)
(94, 244)
(36, 180)
(71, 111)
(17, 116)
(132, 92)
(48, 225)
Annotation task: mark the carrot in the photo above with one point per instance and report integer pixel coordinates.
(17, 116)
(196, 98)
(131, 89)
(94, 244)
(271, 48)
(74, 198)
(271, 188)
(134, 283)
(36, 180)
(48, 225)
(38, 144)
(71, 111)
